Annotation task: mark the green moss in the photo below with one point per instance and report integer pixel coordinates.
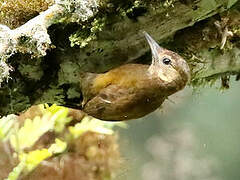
(72, 93)
(231, 3)
(221, 81)
(69, 73)
(169, 3)
(13, 99)
(87, 33)
(203, 82)
(52, 95)
(79, 39)
(236, 30)
(33, 72)
(135, 5)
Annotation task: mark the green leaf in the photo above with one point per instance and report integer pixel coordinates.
(59, 116)
(31, 131)
(58, 147)
(33, 158)
(7, 124)
(17, 170)
(91, 124)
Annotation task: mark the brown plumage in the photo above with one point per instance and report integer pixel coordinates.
(134, 90)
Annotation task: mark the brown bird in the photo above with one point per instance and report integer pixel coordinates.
(134, 90)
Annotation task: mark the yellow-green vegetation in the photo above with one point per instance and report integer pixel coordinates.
(14, 13)
(32, 70)
(43, 140)
(86, 34)
(134, 6)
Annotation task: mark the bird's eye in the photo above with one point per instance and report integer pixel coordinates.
(166, 61)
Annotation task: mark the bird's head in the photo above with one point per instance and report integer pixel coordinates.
(168, 65)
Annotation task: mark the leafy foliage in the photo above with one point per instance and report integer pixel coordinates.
(30, 132)
(54, 118)
(7, 126)
(24, 137)
(93, 125)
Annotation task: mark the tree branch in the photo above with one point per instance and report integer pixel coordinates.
(110, 36)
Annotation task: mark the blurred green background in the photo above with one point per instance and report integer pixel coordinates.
(195, 135)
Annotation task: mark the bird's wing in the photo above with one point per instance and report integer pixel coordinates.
(120, 103)
(111, 103)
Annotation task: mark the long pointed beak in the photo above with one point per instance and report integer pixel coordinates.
(155, 48)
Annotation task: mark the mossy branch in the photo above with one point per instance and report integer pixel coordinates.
(106, 34)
